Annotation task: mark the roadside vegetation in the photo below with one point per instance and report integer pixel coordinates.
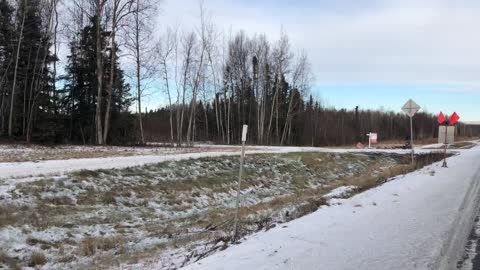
(171, 214)
(23, 152)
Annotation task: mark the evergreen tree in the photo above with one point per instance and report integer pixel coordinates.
(80, 88)
(7, 29)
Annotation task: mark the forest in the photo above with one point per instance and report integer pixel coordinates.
(210, 82)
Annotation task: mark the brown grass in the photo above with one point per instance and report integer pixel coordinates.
(9, 261)
(36, 259)
(109, 198)
(301, 175)
(90, 245)
(61, 200)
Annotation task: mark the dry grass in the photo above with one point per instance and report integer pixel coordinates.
(60, 200)
(162, 196)
(9, 261)
(36, 259)
(90, 245)
(109, 198)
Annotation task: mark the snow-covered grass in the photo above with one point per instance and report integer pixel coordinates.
(172, 213)
(22, 153)
(418, 221)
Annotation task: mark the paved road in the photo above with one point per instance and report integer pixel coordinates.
(471, 260)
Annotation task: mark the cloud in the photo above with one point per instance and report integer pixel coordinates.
(349, 41)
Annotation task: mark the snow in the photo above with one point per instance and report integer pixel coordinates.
(49, 167)
(339, 192)
(418, 221)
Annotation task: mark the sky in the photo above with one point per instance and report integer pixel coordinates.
(370, 53)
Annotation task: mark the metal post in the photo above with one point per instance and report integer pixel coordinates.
(237, 203)
(411, 137)
(369, 139)
(445, 148)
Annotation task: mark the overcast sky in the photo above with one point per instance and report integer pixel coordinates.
(370, 53)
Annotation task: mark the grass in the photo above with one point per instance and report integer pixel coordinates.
(187, 203)
(22, 153)
(37, 259)
(10, 262)
(90, 245)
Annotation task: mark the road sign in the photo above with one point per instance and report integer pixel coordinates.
(410, 108)
(446, 134)
(244, 133)
(454, 118)
(441, 118)
(372, 138)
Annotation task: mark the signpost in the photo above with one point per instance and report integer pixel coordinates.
(446, 133)
(372, 138)
(237, 203)
(411, 108)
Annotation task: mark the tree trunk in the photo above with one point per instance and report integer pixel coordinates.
(194, 98)
(12, 102)
(138, 59)
(110, 84)
(275, 99)
(99, 71)
(24, 116)
(288, 119)
(169, 99)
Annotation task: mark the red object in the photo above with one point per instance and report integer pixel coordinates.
(441, 118)
(454, 118)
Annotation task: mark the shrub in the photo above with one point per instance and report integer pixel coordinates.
(37, 258)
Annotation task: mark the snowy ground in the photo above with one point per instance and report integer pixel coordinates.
(41, 160)
(134, 212)
(419, 221)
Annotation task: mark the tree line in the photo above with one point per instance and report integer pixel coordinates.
(317, 125)
(211, 82)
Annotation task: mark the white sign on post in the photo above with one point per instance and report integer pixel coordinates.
(446, 134)
(410, 108)
(244, 133)
(237, 203)
(372, 138)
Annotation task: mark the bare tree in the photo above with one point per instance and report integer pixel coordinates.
(99, 8)
(19, 44)
(38, 83)
(281, 57)
(188, 44)
(165, 47)
(199, 73)
(301, 77)
(119, 10)
(138, 37)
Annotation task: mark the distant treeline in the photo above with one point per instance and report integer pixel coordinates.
(312, 125)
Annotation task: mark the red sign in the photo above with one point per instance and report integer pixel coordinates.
(373, 137)
(441, 118)
(454, 118)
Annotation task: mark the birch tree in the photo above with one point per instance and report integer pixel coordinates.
(138, 42)
(120, 9)
(165, 49)
(15, 72)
